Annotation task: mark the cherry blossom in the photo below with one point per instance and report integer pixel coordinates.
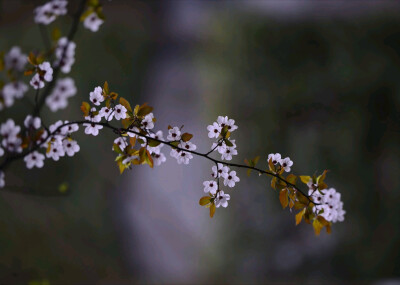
(34, 159)
(92, 22)
(210, 187)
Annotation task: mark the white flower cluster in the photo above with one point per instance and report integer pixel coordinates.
(44, 73)
(224, 145)
(119, 112)
(11, 141)
(211, 186)
(330, 203)
(14, 61)
(65, 54)
(60, 143)
(182, 157)
(48, 12)
(64, 89)
(92, 22)
(277, 160)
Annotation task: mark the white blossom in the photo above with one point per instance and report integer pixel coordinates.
(156, 149)
(32, 122)
(92, 22)
(184, 157)
(286, 164)
(228, 153)
(64, 89)
(48, 12)
(96, 97)
(158, 158)
(69, 129)
(121, 143)
(9, 131)
(36, 82)
(56, 151)
(46, 68)
(92, 129)
(147, 121)
(210, 187)
(230, 178)
(276, 158)
(65, 54)
(70, 147)
(188, 146)
(225, 121)
(214, 130)
(1, 152)
(34, 159)
(174, 134)
(107, 113)
(222, 199)
(120, 112)
(13, 90)
(221, 171)
(93, 117)
(15, 59)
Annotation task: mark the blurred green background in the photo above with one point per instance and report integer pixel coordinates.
(315, 81)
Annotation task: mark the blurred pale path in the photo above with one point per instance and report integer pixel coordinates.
(316, 81)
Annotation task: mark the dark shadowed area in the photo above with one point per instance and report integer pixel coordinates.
(316, 81)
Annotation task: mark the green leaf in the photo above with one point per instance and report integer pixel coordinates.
(228, 142)
(283, 198)
(85, 107)
(299, 217)
(212, 210)
(291, 178)
(204, 200)
(305, 179)
(186, 137)
(152, 143)
(125, 103)
(317, 226)
(117, 149)
(144, 110)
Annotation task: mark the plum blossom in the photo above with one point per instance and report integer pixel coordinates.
(15, 59)
(120, 142)
(219, 170)
(92, 22)
(210, 187)
(214, 130)
(158, 159)
(120, 112)
(96, 96)
(64, 89)
(276, 158)
(286, 164)
(48, 12)
(92, 129)
(147, 121)
(32, 122)
(13, 90)
(34, 159)
(70, 147)
(107, 113)
(230, 178)
(174, 134)
(225, 121)
(65, 54)
(222, 199)
(228, 153)
(56, 151)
